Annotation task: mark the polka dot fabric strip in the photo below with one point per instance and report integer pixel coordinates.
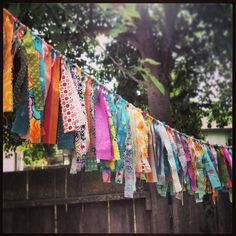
(69, 101)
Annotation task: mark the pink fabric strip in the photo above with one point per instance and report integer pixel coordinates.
(189, 165)
(104, 149)
(227, 156)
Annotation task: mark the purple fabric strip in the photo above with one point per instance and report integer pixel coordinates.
(189, 165)
(104, 149)
(227, 156)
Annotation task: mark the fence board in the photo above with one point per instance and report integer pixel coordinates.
(188, 217)
(60, 182)
(14, 186)
(160, 214)
(74, 184)
(142, 217)
(94, 218)
(224, 213)
(69, 220)
(41, 184)
(15, 220)
(122, 216)
(41, 219)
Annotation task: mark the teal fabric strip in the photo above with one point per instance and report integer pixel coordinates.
(210, 169)
(64, 140)
(21, 122)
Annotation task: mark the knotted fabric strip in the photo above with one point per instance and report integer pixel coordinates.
(200, 174)
(20, 75)
(48, 66)
(64, 140)
(90, 99)
(34, 114)
(189, 164)
(181, 153)
(82, 133)
(33, 60)
(223, 171)
(210, 169)
(70, 102)
(104, 149)
(52, 103)
(159, 143)
(227, 156)
(130, 178)
(8, 63)
(152, 159)
(171, 160)
(21, 122)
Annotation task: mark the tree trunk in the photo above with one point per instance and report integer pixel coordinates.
(159, 104)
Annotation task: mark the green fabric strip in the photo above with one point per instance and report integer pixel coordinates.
(34, 69)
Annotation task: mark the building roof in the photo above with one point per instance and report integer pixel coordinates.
(213, 124)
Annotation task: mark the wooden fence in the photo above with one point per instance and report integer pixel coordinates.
(53, 201)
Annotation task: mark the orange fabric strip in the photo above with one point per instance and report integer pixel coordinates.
(8, 63)
(52, 105)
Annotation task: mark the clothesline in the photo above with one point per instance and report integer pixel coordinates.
(108, 90)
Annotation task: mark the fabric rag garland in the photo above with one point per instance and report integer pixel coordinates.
(56, 104)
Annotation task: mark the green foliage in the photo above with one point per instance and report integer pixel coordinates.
(120, 28)
(150, 61)
(146, 73)
(36, 153)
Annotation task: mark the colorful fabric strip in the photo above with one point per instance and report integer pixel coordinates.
(64, 140)
(227, 156)
(130, 178)
(69, 98)
(210, 169)
(171, 160)
(34, 114)
(33, 57)
(152, 176)
(82, 132)
(104, 149)
(52, 103)
(8, 63)
(21, 122)
(159, 143)
(20, 74)
(48, 65)
(181, 153)
(200, 167)
(90, 99)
